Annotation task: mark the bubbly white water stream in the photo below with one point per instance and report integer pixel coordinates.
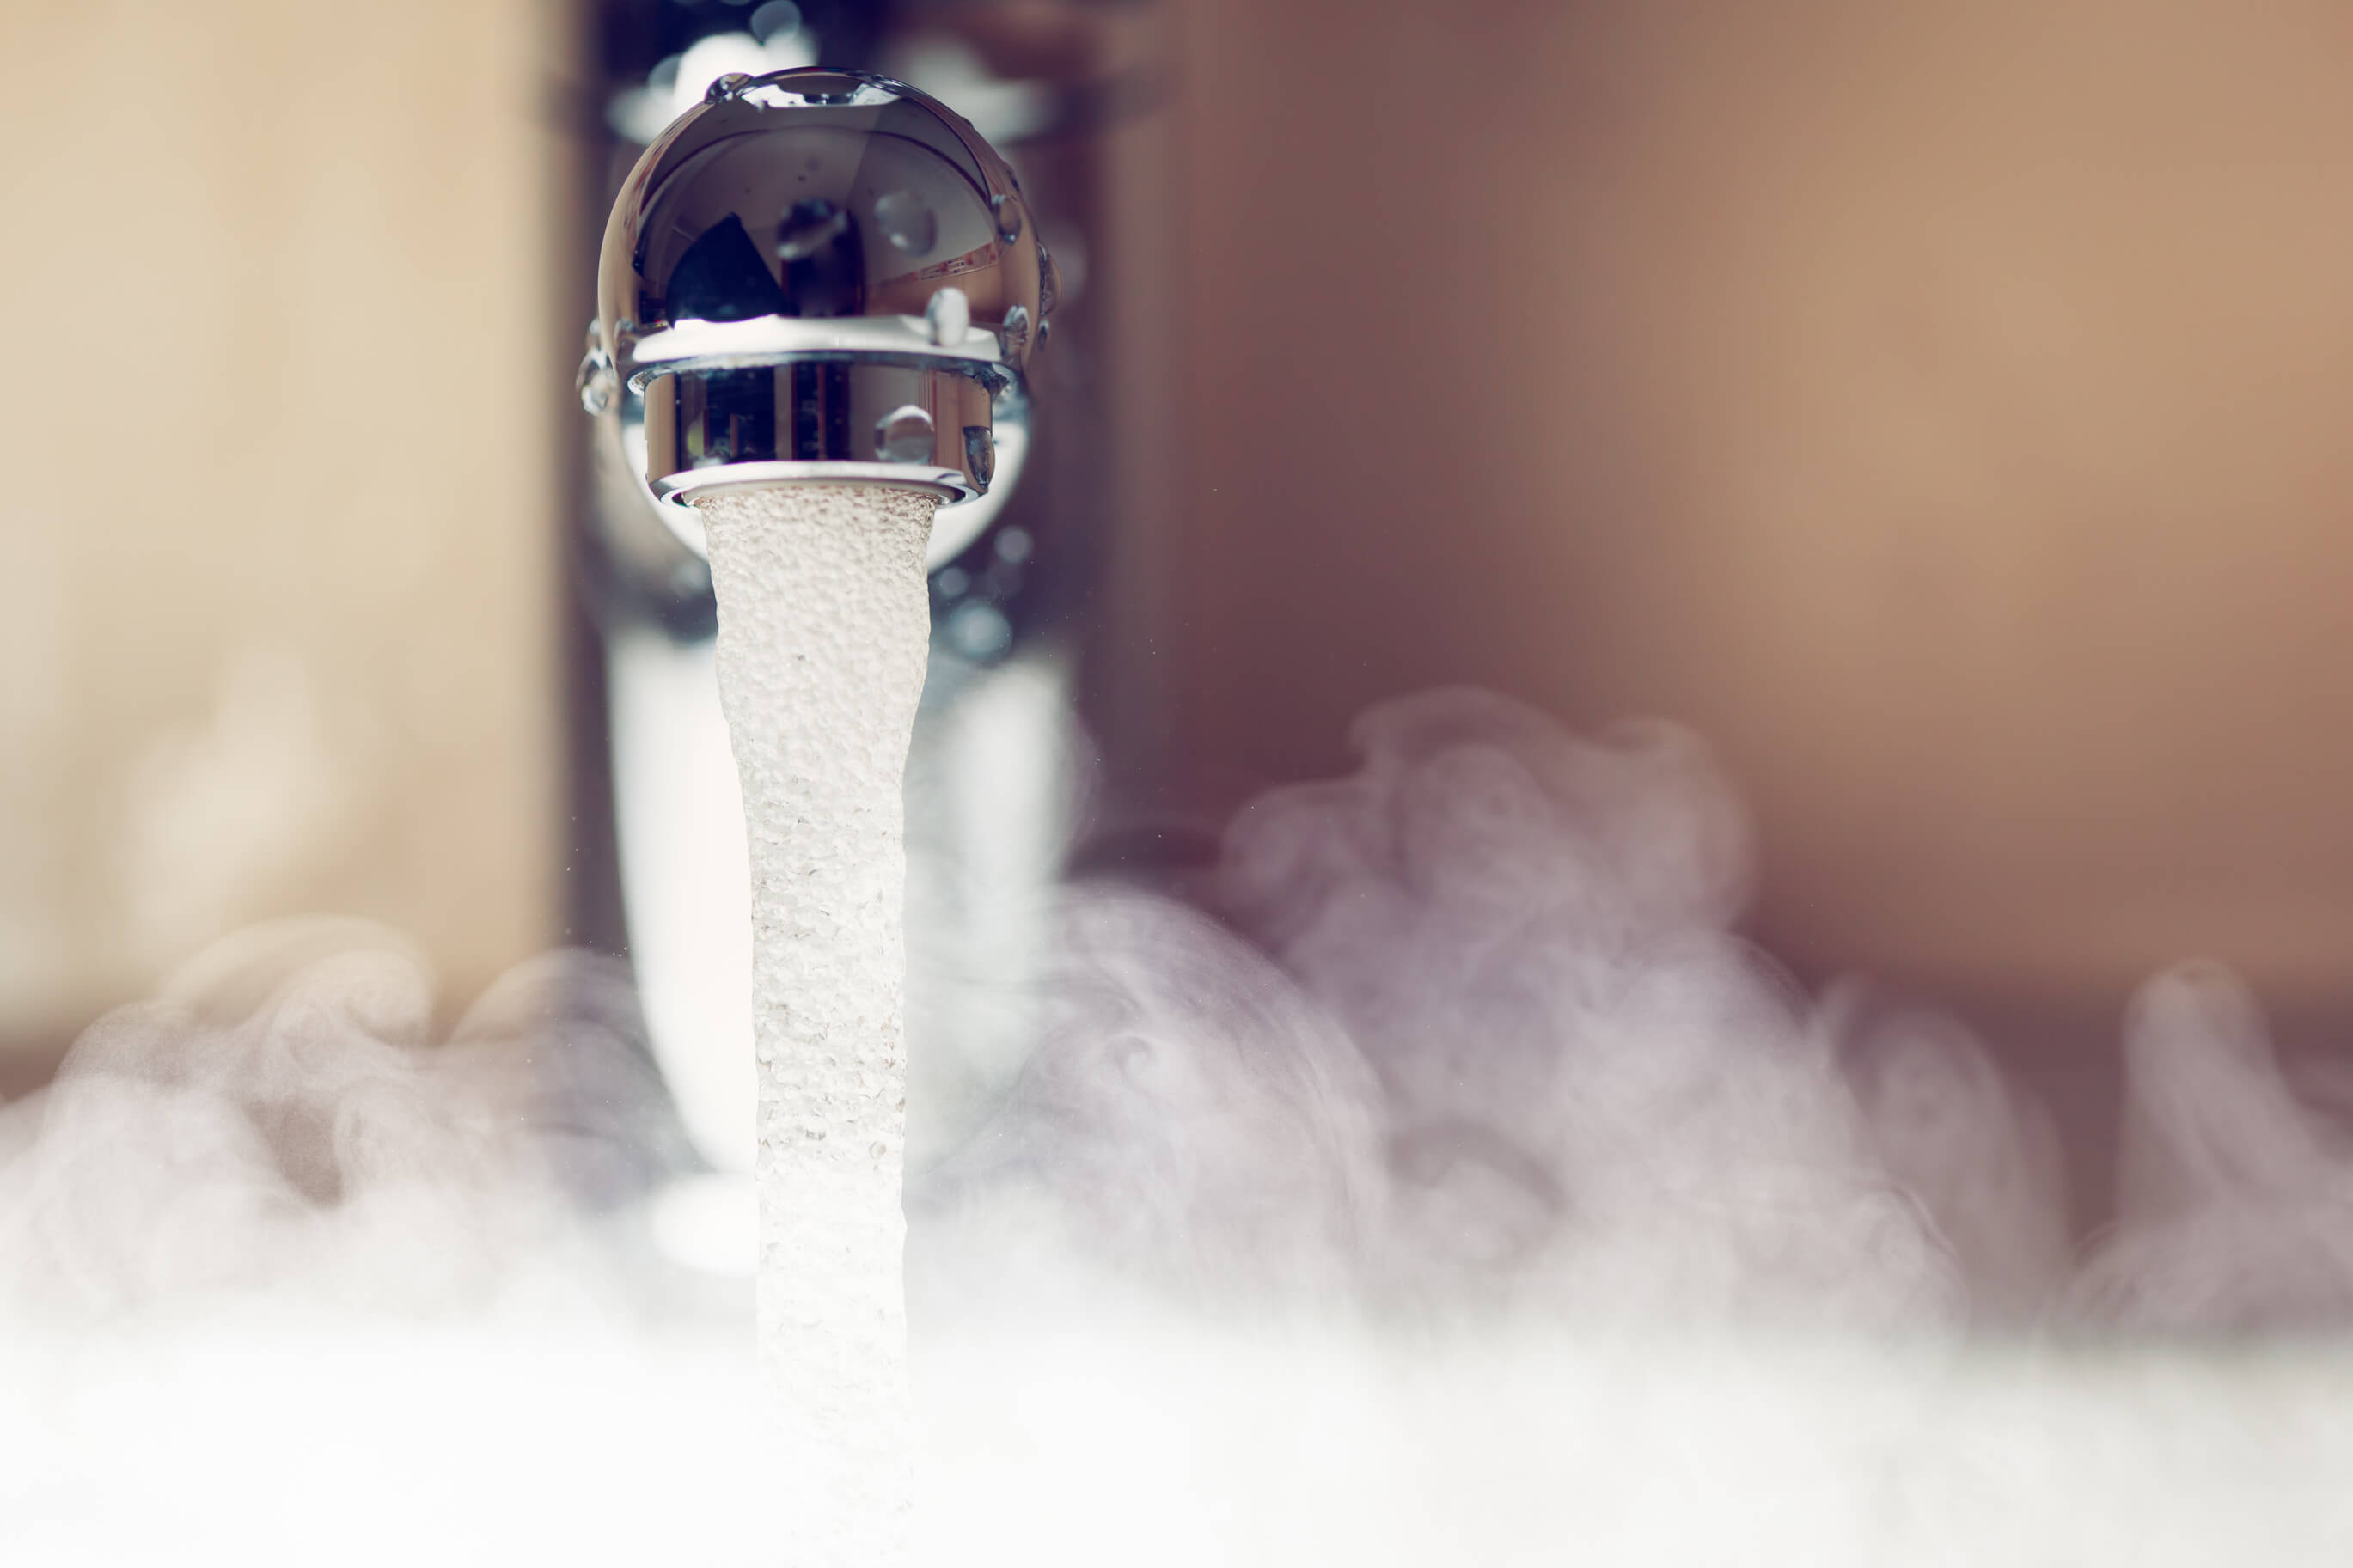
(824, 623)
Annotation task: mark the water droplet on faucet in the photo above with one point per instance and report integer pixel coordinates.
(980, 455)
(1017, 330)
(903, 435)
(596, 382)
(1049, 281)
(1009, 217)
(949, 316)
(725, 86)
(907, 223)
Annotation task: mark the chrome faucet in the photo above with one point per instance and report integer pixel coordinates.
(819, 275)
(810, 276)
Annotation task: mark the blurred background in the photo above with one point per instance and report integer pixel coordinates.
(1938, 408)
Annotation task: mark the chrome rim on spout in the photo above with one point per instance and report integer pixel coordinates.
(819, 275)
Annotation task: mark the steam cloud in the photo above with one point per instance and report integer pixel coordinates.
(279, 1123)
(1464, 1051)
(1493, 1046)
(283, 1274)
(2236, 1198)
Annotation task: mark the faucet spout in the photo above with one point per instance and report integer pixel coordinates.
(819, 275)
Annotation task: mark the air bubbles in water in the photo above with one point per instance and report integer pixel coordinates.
(907, 222)
(823, 623)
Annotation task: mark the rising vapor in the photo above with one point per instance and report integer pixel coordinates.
(1453, 1182)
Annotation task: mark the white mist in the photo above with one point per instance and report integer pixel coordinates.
(1468, 1193)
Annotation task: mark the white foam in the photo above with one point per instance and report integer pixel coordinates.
(823, 623)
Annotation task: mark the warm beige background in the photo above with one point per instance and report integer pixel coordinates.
(1943, 407)
(1940, 406)
(277, 560)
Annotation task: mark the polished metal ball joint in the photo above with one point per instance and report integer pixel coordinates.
(819, 275)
